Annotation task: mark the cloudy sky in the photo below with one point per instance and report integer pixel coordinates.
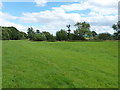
(54, 15)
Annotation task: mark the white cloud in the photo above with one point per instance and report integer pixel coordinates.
(4, 21)
(101, 20)
(46, 17)
(52, 21)
(40, 2)
(103, 13)
(72, 7)
(103, 7)
(7, 16)
(104, 3)
(102, 29)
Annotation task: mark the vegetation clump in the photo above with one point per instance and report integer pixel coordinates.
(82, 32)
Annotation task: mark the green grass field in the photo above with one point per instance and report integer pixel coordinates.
(29, 64)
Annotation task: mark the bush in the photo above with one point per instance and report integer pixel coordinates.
(39, 37)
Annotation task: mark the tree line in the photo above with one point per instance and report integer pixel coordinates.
(82, 32)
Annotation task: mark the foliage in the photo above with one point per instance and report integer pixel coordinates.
(83, 29)
(116, 35)
(51, 38)
(82, 32)
(105, 36)
(116, 27)
(94, 34)
(31, 34)
(39, 37)
(37, 31)
(11, 33)
(61, 35)
(78, 36)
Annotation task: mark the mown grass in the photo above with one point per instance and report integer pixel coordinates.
(29, 64)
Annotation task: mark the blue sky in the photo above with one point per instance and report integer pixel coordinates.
(53, 16)
(16, 8)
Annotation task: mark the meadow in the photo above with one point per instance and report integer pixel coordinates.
(85, 64)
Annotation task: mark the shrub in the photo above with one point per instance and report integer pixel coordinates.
(39, 37)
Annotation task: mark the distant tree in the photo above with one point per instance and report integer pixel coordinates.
(105, 36)
(78, 25)
(71, 36)
(14, 34)
(61, 35)
(5, 35)
(94, 34)
(116, 27)
(116, 35)
(39, 37)
(68, 26)
(77, 35)
(31, 33)
(11, 33)
(50, 38)
(23, 35)
(37, 31)
(84, 25)
(47, 34)
(83, 29)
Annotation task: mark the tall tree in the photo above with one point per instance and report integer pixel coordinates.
(82, 28)
(31, 34)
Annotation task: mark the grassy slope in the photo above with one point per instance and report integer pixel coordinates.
(60, 64)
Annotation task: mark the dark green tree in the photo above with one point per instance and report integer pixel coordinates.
(37, 31)
(61, 35)
(116, 27)
(31, 33)
(51, 38)
(47, 34)
(11, 33)
(94, 34)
